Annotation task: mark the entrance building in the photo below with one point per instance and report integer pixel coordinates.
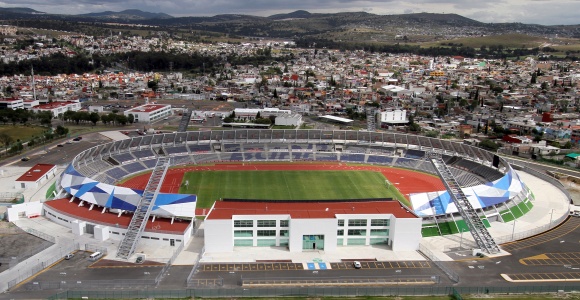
(311, 226)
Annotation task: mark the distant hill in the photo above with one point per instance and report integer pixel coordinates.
(19, 10)
(299, 14)
(129, 14)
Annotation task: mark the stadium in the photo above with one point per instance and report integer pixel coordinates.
(103, 185)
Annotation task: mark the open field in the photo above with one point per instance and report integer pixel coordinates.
(20, 132)
(506, 40)
(285, 185)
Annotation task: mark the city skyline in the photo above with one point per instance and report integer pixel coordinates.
(544, 12)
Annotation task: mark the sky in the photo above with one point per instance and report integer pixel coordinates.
(544, 12)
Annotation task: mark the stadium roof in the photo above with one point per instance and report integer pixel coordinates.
(337, 119)
(225, 210)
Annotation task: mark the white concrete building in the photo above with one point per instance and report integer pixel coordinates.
(149, 112)
(395, 116)
(305, 226)
(35, 176)
(11, 103)
(57, 108)
(289, 120)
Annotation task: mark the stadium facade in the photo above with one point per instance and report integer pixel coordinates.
(492, 186)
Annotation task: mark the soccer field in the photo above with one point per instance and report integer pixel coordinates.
(284, 185)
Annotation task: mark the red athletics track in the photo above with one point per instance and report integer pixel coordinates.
(406, 181)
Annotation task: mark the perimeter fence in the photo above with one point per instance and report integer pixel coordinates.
(402, 290)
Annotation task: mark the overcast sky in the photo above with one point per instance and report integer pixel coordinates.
(545, 12)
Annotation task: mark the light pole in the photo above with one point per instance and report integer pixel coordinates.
(551, 217)
(461, 241)
(513, 229)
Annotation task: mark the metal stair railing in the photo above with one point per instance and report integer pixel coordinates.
(143, 210)
(476, 227)
(184, 122)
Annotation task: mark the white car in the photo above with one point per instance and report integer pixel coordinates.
(357, 265)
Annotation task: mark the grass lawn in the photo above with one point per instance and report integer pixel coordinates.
(285, 185)
(22, 133)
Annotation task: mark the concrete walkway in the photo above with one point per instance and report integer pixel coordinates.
(550, 205)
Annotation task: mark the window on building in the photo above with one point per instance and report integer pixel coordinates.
(266, 232)
(357, 232)
(357, 222)
(243, 233)
(341, 223)
(284, 223)
(380, 222)
(266, 223)
(380, 232)
(340, 232)
(243, 223)
(283, 232)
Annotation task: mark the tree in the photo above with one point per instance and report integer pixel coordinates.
(6, 140)
(152, 84)
(60, 130)
(94, 118)
(131, 118)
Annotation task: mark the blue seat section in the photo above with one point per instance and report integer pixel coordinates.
(326, 156)
(134, 167)
(150, 163)
(175, 150)
(323, 147)
(352, 157)
(279, 155)
(144, 153)
(377, 159)
(232, 148)
(200, 148)
(117, 173)
(417, 154)
(302, 155)
(123, 157)
(302, 146)
(255, 156)
(254, 147)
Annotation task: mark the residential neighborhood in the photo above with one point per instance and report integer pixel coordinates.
(525, 106)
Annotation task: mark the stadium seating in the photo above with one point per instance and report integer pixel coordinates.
(352, 157)
(123, 157)
(176, 149)
(231, 148)
(117, 173)
(377, 159)
(199, 148)
(144, 153)
(134, 167)
(326, 156)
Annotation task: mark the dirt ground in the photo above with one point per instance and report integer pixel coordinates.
(15, 242)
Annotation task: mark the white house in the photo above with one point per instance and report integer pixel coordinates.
(35, 176)
(149, 112)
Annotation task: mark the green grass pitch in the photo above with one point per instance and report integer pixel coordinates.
(284, 185)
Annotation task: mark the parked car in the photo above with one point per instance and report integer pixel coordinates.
(69, 256)
(78, 138)
(357, 265)
(26, 158)
(60, 145)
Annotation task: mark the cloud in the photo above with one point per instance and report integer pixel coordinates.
(546, 12)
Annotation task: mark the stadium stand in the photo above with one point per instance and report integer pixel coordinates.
(376, 159)
(116, 173)
(199, 148)
(326, 156)
(416, 154)
(134, 167)
(146, 141)
(123, 157)
(232, 148)
(144, 153)
(150, 163)
(176, 150)
(360, 158)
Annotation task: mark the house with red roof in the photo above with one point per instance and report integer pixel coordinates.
(35, 176)
(311, 225)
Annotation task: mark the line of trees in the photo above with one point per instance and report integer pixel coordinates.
(85, 117)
